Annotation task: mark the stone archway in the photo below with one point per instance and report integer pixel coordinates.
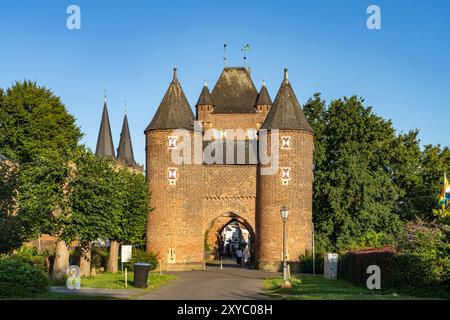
(215, 228)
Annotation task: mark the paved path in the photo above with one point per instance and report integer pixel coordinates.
(229, 283)
(112, 293)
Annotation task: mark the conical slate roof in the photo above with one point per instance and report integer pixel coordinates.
(205, 97)
(286, 112)
(174, 111)
(263, 97)
(234, 92)
(125, 151)
(105, 146)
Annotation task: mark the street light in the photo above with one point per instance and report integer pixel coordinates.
(284, 212)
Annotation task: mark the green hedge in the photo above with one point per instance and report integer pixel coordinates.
(142, 256)
(306, 263)
(19, 279)
(398, 270)
(353, 266)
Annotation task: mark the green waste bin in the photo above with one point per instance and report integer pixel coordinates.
(141, 274)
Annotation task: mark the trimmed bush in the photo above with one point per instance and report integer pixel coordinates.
(142, 256)
(398, 270)
(353, 265)
(419, 270)
(18, 279)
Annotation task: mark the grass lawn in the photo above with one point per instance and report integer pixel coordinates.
(309, 287)
(117, 281)
(108, 281)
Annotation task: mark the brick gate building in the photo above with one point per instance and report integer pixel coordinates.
(193, 202)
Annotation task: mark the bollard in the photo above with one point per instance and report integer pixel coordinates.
(126, 277)
(221, 266)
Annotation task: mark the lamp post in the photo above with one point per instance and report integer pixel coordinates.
(284, 212)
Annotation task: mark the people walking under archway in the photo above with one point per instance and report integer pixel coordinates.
(239, 255)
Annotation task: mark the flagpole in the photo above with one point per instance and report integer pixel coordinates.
(444, 205)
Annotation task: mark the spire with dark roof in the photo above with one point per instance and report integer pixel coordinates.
(286, 112)
(125, 154)
(105, 146)
(205, 98)
(174, 111)
(234, 92)
(263, 96)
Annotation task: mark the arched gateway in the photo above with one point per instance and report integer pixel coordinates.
(220, 243)
(193, 201)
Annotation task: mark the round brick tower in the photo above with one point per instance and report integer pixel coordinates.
(173, 228)
(290, 185)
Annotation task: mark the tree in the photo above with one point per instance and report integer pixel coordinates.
(131, 190)
(34, 120)
(355, 195)
(11, 234)
(107, 202)
(133, 223)
(435, 162)
(94, 204)
(43, 198)
(37, 131)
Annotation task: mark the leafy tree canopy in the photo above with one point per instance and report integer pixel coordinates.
(33, 120)
(365, 174)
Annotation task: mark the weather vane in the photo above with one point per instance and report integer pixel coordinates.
(224, 55)
(245, 49)
(125, 108)
(105, 95)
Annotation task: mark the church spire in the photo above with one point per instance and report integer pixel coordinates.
(125, 154)
(105, 146)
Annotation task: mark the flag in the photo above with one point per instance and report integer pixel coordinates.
(444, 197)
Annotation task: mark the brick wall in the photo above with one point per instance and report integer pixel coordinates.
(296, 195)
(207, 197)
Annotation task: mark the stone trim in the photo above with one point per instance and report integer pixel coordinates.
(227, 198)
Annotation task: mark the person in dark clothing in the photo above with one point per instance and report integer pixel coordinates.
(239, 256)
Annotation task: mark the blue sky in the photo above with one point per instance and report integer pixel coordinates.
(130, 48)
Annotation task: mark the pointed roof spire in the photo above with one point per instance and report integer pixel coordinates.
(105, 146)
(205, 97)
(174, 74)
(174, 111)
(286, 112)
(125, 154)
(263, 96)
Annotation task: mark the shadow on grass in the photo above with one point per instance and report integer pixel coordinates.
(309, 287)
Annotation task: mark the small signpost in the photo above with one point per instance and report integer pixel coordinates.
(125, 256)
